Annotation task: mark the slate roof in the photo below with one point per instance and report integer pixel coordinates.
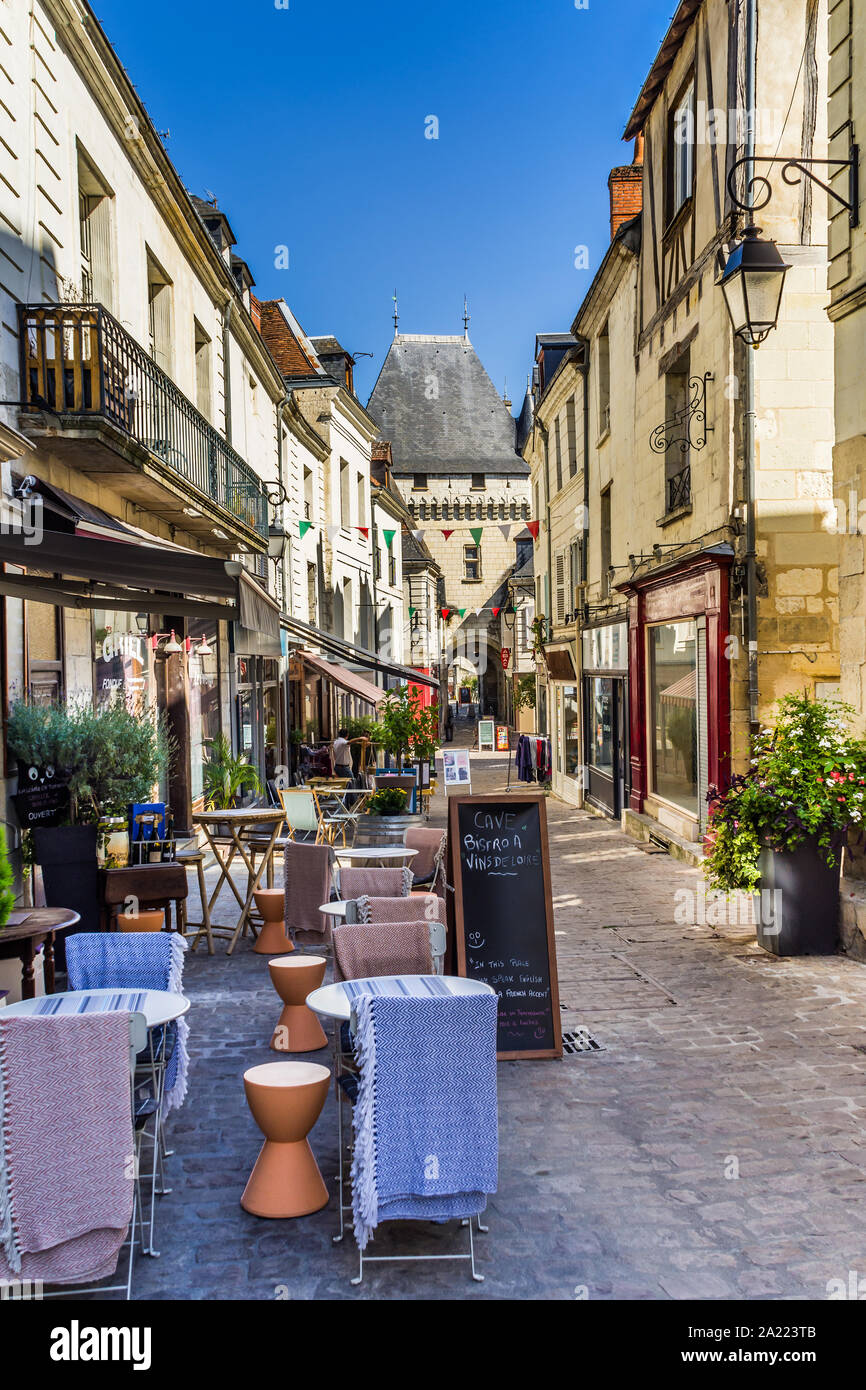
(435, 402)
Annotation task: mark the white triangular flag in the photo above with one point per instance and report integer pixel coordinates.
(506, 531)
(333, 532)
(419, 534)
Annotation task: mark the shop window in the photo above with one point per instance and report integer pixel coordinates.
(44, 653)
(673, 710)
(571, 731)
(123, 661)
(471, 562)
(204, 697)
(600, 715)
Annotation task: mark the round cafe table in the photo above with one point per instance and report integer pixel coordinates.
(374, 856)
(26, 930)
(334, 1001)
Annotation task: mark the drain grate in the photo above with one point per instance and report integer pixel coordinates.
(580, 1040)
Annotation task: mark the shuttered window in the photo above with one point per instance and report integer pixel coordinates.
(559, 565)
(95, 215)
(159, 314)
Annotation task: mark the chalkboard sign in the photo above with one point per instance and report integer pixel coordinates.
(503, 916)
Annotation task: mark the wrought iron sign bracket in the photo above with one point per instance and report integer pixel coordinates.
(760, 190)
(687, 427)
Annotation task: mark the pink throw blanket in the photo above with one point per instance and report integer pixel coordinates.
(308, 885)
(66, 1146)
(420, 907)
(382, 948)
(383, 883)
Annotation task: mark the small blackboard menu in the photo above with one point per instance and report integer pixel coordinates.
(503, 916)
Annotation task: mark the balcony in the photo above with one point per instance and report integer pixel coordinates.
(115, 416)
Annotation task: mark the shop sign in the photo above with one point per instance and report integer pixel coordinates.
(505, 657)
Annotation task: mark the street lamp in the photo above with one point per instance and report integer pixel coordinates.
(277, 539)
(752, 282)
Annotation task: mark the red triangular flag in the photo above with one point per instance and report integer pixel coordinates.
(365, 531)
(496, 612)
(445, 612)
(446, 534)
(533, 528)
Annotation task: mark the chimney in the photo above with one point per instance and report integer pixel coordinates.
(625, 184)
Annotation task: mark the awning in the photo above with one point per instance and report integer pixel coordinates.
(346, 680)
(128, 575)
(257, 632)
(357, 655)
(682, 692)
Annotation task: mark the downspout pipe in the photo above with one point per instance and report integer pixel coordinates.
(749, 391)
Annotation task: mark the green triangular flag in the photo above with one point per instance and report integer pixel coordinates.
(462, 612)
(412, 612)
(476, 533)
(303, 527)
(389, 537)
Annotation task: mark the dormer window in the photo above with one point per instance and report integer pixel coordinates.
(419, 482)
(478, 483)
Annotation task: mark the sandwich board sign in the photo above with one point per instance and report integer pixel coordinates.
(456, 765)
(485, 735)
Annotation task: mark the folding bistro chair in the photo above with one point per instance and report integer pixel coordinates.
(301, 813)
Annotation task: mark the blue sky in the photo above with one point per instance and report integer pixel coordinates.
(308, 124)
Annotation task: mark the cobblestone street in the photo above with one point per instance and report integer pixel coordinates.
(712, 1147)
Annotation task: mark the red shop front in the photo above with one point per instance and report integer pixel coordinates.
(679, 689)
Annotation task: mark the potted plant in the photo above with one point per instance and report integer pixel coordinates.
(103, 759)
(384, 820)
(778, 830)
(7, 891)
(226, 776)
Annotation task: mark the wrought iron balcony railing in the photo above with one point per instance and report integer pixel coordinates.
(77, 360)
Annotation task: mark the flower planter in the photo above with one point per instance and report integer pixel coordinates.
(797, 911)
(151, 919)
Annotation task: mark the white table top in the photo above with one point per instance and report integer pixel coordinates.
(157, 1005)
(332, 1001)
(375, 852)
(334, 909)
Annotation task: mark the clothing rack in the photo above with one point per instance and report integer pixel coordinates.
(512, 761)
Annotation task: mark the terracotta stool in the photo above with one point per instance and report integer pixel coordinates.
(272, 939)
(298, 1029)
(286, 1099)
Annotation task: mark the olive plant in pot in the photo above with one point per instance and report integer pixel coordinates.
(778, 831)
(384, 820)
(227, 776)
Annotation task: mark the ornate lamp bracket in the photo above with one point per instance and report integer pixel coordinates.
(759, 189)
(688, 427)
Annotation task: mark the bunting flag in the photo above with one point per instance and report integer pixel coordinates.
(365, 531)
(506, 532)
(389, 537)
(462, 612)
(418, 535)
(445, 612)
(533, 529)
(303, 527)
(448, 534)
(412, 611)
(476, 532)
(333, 532)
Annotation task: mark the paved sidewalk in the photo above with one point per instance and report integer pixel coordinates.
(714, 1147)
